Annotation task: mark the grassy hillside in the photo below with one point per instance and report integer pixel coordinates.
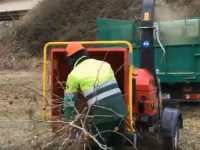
(75, 19)
(61, 20)
(70, 20)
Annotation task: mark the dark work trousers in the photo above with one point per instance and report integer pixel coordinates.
(108, 138)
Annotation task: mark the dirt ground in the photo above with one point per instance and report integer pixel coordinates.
(190, 135)
(20, 100)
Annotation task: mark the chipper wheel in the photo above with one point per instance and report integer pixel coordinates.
(171, 143)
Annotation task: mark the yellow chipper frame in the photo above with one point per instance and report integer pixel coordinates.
(118, 54)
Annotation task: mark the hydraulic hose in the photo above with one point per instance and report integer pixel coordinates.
(158, 39)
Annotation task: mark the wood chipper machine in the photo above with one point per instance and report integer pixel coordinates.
(140, 86)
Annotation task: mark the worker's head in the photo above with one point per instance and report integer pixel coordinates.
(75, 51)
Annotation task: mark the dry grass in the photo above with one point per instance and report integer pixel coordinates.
(16, 101)
(190, 135)
(59, 20)
(19, 99)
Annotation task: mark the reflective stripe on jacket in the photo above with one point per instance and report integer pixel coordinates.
(102, 91)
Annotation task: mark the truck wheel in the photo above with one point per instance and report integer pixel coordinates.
(171, 143)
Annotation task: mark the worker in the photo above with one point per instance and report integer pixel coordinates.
(95, 80)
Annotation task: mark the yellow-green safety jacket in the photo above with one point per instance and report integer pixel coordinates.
(96, 80)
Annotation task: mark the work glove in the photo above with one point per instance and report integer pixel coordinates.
(68, 108)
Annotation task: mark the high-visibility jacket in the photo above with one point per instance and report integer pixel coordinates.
(96, 81)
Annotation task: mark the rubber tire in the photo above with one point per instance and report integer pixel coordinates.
(171, 143)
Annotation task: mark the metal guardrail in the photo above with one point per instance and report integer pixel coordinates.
(11, 15)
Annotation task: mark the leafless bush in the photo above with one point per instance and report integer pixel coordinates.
(66, 20)
(59, 20)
